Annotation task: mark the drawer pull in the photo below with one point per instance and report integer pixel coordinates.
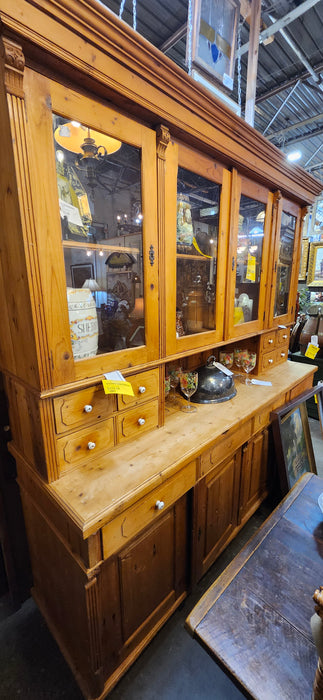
(159, 505)
(91, 445)
(142, 389)
(270, 361)
(88, 408)
(270, 341)
(141, 421)
(283, 354)
(285, 337)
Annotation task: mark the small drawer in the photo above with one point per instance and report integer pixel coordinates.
(77, 447)
(282, 353)
(282, 337)
(260, 421)
(125, 526)
(145, 386)
(302, 386)
(225, 447)
(82, 408)
(268, 341)
(135, 421)
(267, 360)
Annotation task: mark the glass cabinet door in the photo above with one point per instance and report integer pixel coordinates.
(101, 176)
(248, 259)
(196, 254)
(285, 273)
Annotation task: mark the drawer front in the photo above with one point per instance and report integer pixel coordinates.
(138, 420)
(268, 341)
(85, 444)
(125, 526)
(82, 408)
(267, 360)
(282, 337)
(224, 448)
(303, 386)
(145, 386)
(282, 353)
(260, 421)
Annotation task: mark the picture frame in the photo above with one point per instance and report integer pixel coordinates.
(214, 31)
(80, 273)
(292, 438)
(315, 265)
(304, 259)
(316, 228)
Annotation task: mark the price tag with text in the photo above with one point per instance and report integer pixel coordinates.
(115, 383)
(311, 351)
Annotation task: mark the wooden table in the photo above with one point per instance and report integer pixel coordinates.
(255, 619)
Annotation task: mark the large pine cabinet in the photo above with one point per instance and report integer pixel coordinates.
(128, 501)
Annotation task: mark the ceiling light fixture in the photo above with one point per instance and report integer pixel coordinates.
(293, 156)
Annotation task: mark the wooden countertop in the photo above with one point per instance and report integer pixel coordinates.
(94, 494)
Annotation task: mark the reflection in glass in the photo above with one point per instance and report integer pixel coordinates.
(249, 259)
(285, 261)
(99, 190)
(197, 227)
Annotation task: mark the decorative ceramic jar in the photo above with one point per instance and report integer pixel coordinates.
(83, 322)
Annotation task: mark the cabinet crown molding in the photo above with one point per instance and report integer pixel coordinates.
(14, 64)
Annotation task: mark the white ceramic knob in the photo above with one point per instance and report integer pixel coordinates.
(270, 361)
(159, 505)
(91, 445)
(270, 341)
(141, 421)
(142, 389)
(88, 408)
(283, 354)
(285, 337)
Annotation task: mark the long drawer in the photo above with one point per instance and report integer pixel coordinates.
(129, 523)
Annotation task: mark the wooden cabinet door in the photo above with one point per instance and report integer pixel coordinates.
(96, 232)
(217, 512)
(144, 583)
(197, 206)
(250, 229)
(254, 475)
(285, 259)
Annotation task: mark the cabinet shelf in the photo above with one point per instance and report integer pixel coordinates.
(99, 246)
(187, 256)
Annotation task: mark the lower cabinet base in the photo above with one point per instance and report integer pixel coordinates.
(110, 682)
(102, 618)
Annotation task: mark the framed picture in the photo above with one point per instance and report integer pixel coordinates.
(80, 273)
(316, 229)
(315, 265)
(292, 438)
(214, 38)
(303, 262)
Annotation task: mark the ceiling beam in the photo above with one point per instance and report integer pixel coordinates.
(309, 135)
(287, 84)
(280, 24)
(296, 125)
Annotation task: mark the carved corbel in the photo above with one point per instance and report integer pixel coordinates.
(163, 139)
(14, 63)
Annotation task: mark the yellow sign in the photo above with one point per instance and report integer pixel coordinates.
(112, 387)
(251, 268)
(312, 351)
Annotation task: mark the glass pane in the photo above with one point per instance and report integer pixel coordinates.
(99, 190)
(197, 239)
(284, 265)
(249, 259)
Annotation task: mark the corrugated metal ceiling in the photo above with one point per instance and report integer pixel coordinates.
(289, 96)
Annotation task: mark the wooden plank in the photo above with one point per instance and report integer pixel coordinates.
(252, 61)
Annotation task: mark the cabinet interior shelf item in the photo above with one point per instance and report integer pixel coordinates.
(99, 246)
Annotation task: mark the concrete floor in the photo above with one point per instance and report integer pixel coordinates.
(172, 667)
